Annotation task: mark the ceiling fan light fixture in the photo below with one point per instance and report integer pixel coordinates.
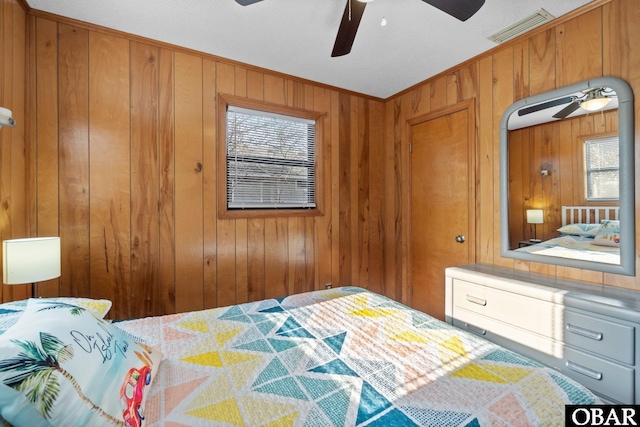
(595, 103)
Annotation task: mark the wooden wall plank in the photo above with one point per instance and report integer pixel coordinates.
(335, 117)
(189, 182)
(438, 93)
(502, 97)
(352, 218)
(376, 197)
(109, 171)
(421, 100)
(210, 165)
(145, 180)
(392, 199)
(47, 180)
(166, 165)
(486, 157)
(344, 173)
(363, 196)
(579, 48)
(542, 76)
(73, 83)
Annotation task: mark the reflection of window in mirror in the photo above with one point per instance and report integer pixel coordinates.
(602, 169)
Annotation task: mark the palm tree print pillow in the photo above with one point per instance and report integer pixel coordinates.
(62, 366)
(10, 312)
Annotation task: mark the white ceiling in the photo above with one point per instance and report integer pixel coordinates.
(296, 37)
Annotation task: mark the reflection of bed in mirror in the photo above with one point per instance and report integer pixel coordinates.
(590, 233)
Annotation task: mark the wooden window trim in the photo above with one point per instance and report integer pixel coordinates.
(223, 102)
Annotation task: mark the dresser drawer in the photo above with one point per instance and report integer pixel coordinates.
(523, 312)
(602, 376)
(610, 339)
(547, 351)
(607, 378)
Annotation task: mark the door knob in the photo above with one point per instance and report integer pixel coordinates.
(460, 238)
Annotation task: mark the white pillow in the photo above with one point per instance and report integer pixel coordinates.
(579, 229)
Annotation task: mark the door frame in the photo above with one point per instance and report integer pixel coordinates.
(474, 242)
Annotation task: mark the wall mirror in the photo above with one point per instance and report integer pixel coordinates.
(567, 177)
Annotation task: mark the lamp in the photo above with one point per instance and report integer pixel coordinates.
(6, 118)
(595, 101)
(30, 260)
(535, 216)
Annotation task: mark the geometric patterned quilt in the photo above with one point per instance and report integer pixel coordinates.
(341, 357)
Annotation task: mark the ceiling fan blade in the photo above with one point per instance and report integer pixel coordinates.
(545, 105)
(247, 2)
(348, 28)
(460, 9)
(567, 110)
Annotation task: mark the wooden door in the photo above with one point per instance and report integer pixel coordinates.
(442, 203)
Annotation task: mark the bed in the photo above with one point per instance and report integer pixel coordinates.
(590, 233)
(343, 356)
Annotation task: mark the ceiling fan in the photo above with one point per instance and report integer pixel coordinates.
(591, 100)
(354, 9)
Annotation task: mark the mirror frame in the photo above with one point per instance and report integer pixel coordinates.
(626, 125)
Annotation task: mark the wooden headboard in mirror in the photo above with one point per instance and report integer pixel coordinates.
(558, 150)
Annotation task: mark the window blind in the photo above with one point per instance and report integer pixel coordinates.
(603, 169)
(270, 160)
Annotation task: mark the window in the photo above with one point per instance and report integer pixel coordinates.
(602, 169)
(269, 158)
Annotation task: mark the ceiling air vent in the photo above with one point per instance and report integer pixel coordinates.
(530, 22)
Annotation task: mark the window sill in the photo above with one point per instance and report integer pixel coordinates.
(267, 213)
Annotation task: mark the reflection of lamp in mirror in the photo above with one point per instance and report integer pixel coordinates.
(535, 216)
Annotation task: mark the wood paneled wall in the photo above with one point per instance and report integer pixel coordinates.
(599, 39)
(123, 169)
(13, 141)
(114, 128)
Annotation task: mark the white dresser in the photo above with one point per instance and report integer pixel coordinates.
(589, 332)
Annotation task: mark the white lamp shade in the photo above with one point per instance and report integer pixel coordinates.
(534, 216)
(6, 117)
(30, 260)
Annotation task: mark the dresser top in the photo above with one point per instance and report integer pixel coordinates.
(624, 302)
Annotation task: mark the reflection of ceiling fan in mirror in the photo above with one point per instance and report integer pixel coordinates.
(568, 106)
(354, 9)
(593, 99)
